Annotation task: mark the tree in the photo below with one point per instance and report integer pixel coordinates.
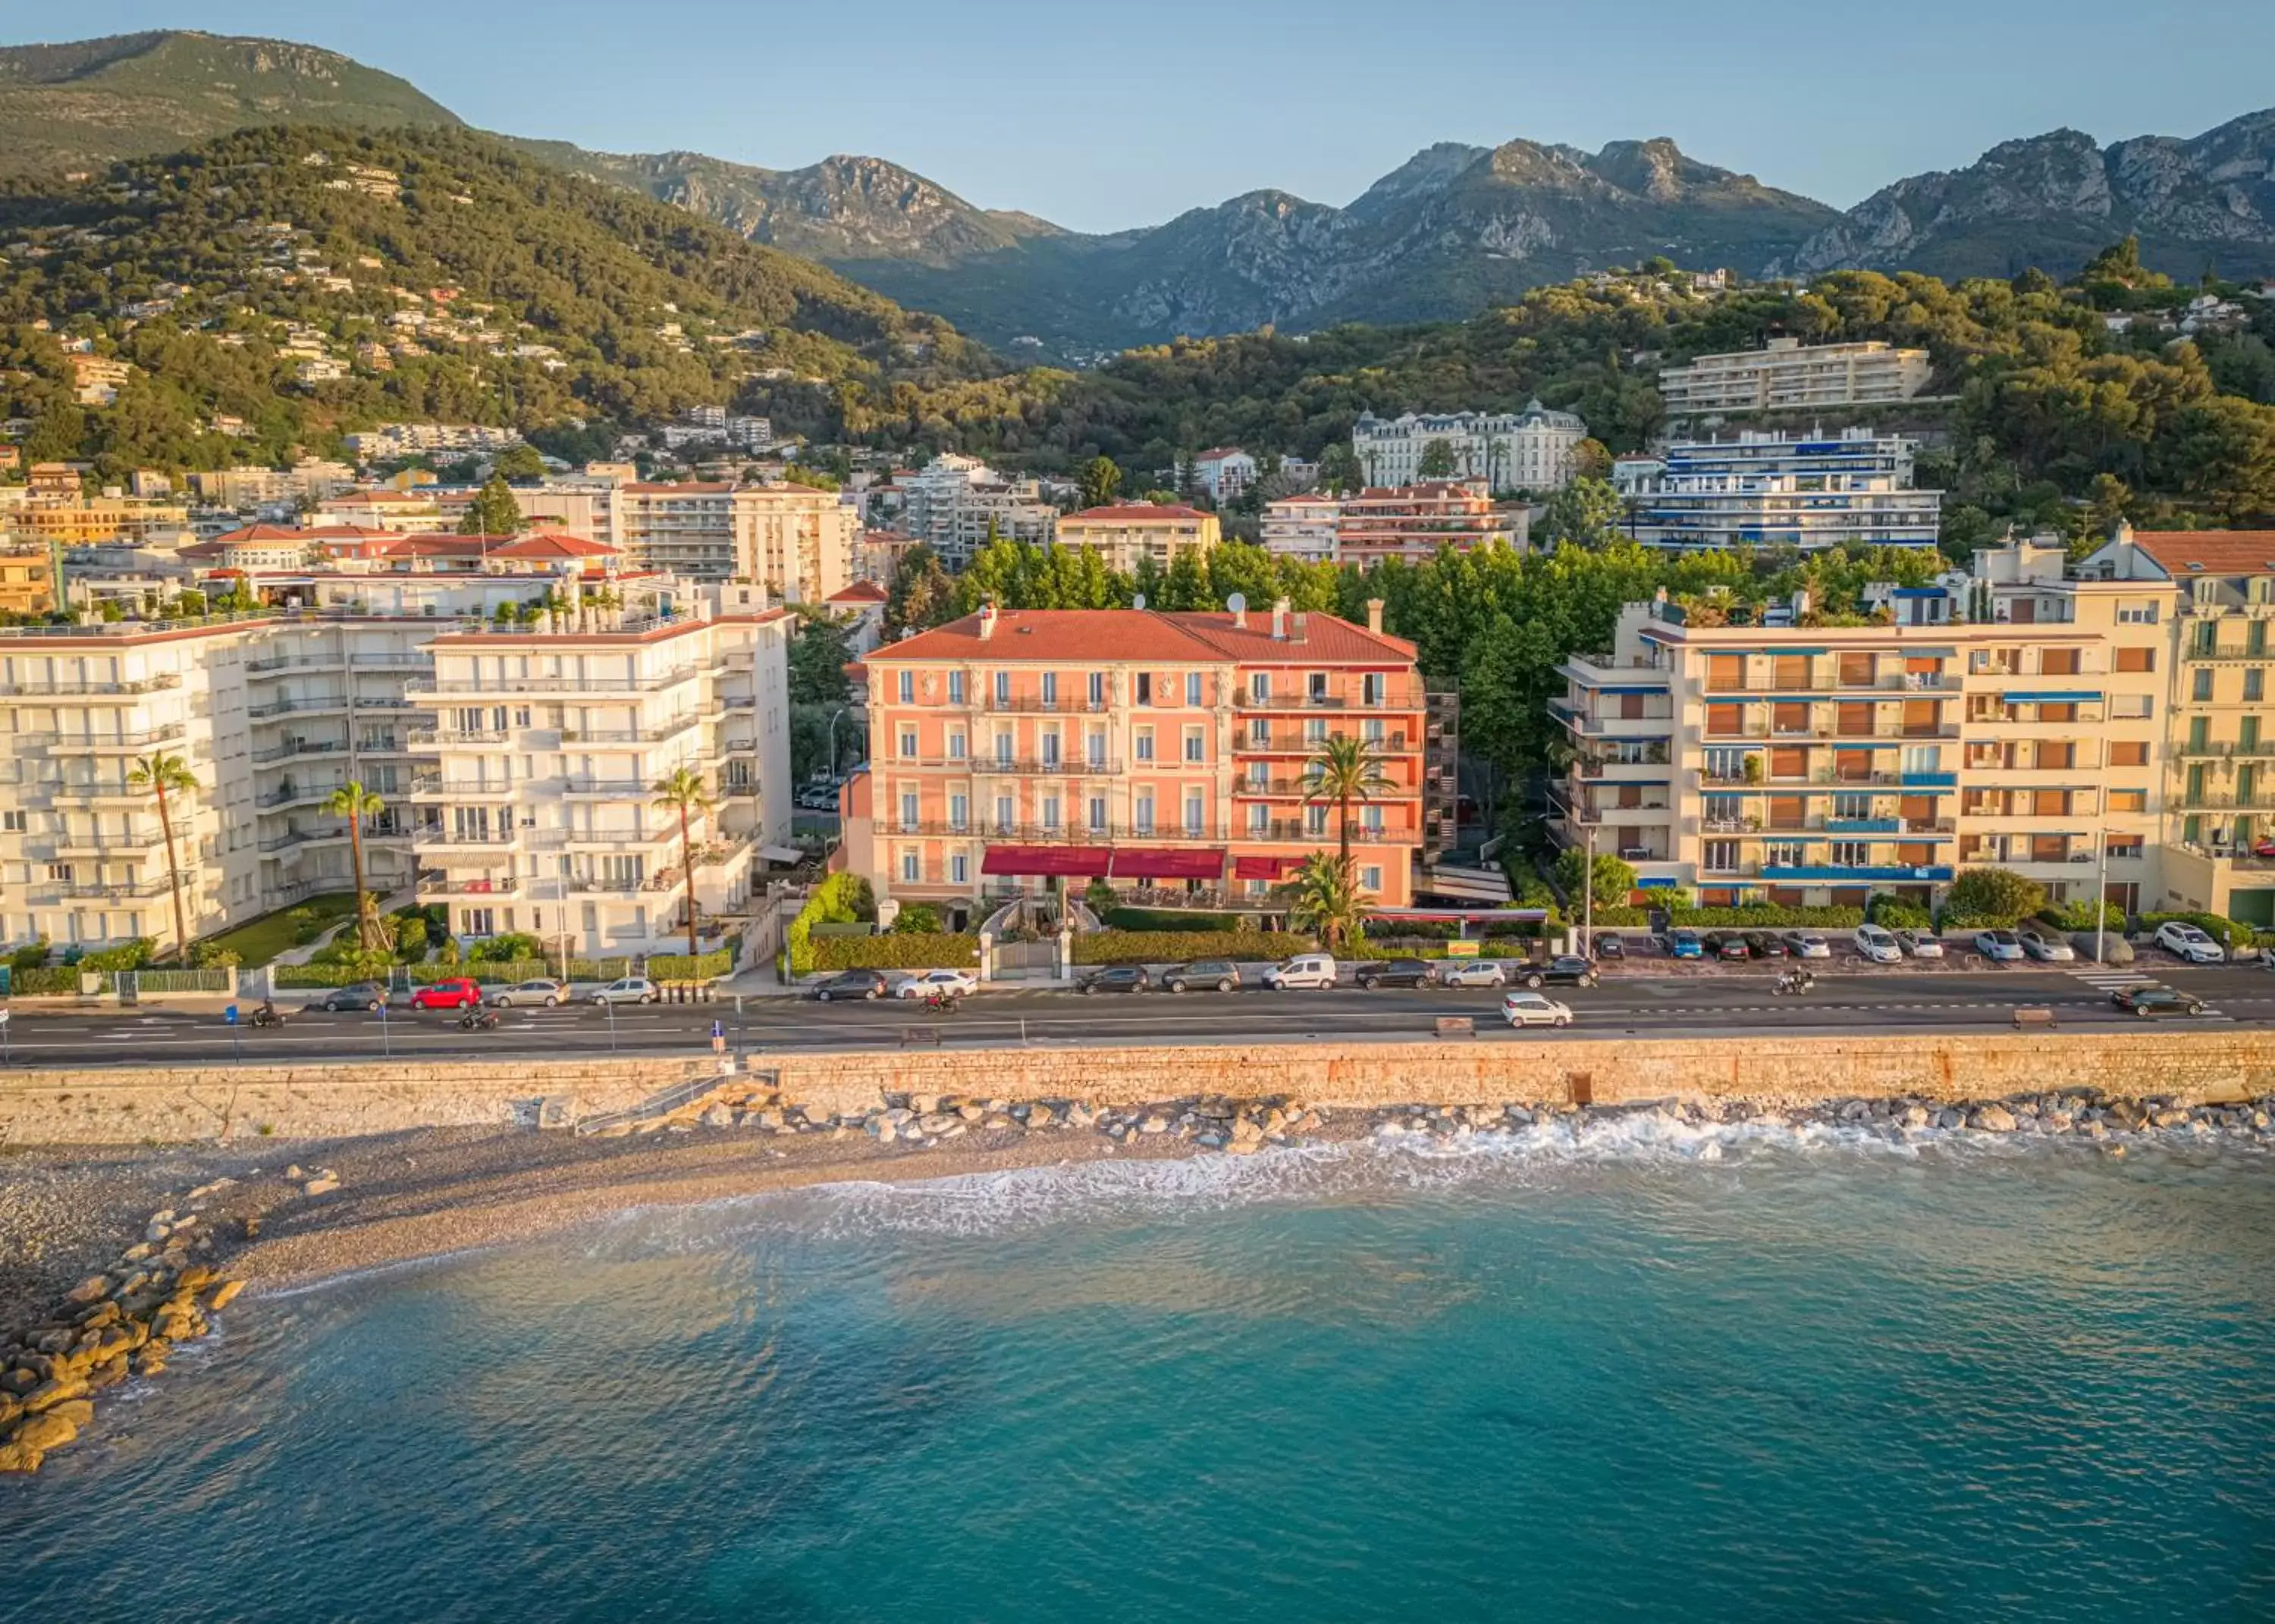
(492, 512)
(1342, 770)
(1585, 513)
(1323, 899)
(1999, 895)
(1436, 460)
(682, 792)
(354, 803)
(818, 658)
(163, 776)
(1339, 469)
(921, 594)
(519, 462)
(1100, 480)
(1614, 880)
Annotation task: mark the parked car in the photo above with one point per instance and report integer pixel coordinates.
(1610, 946)
(1920, 944)
(1221, 974)
(1522, 1008)
(1878, 945)
(1396, 972)
(1566, 968)
(2000, 947)
(955, 983)
(845, 984)
(1473, 972)
(1728, 944)
(1684, 944)
(2149, 1000)
(628, 990)
(1115, 979)
(2048, 949)
(357, 995)
(1305, 970)
(1808, 944)
(457, 992)
(541, 991)
(2190, 942)
(1762, 945)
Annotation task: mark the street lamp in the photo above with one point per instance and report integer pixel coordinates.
(1588, 897)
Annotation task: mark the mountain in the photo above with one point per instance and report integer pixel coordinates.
(82, 105)
(307, 281)
(2053, 200)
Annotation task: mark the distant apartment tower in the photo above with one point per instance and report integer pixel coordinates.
(1807, 491)
(954, 503)
(1302, 528)
(1411, 524)
(1784, 373)
(798, 542)
(1127, 535)
(1532, 449)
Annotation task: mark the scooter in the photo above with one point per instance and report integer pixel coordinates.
(268, 1015)
(942, 1002)
(478, 1020)
(1796, 981)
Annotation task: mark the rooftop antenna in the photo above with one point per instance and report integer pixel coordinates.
(1238, 605)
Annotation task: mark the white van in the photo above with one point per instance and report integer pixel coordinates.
(1305, 970)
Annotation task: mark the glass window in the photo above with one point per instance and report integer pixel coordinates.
(1097, 746)
(1050, 812)
(1143, 738)
(1002, 687)
(1194, 745)
(956, 747)
(959, 811)
(1050, 687)
(911, 867)
(1369, 879)
(1315, 821)
(909, 743)
(1098, 814)
(1097, 689)
(1193, 687)
(1260, 818)
(1143, 813)
(1007, 817)
(959, 869)
(1259, 686)
(1851, 854)
(955, 687)
(908, 687)
(2255, 683)
(1003, 749)
(1721, 854)
(909, 809)
(2201, 690)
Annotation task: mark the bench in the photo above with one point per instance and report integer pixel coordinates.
(1457, 1026)
(914, 1037)
(2032, 1015)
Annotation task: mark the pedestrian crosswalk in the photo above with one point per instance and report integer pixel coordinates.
(2116, 978)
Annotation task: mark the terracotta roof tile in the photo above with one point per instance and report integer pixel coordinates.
(1073, 635)
(2218, 552)
(1127, 512)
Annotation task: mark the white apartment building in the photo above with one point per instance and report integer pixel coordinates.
(1302, 528)
(391, 441)
(1224, 472)
(271, 714)
(799, 543)
(1529, 450)
(1774, 489)
(953, 502)
(1785, 373)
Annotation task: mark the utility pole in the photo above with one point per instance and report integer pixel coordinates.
(2101, 859)
(1588, 897)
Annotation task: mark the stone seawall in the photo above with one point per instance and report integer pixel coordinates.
(217, 1102)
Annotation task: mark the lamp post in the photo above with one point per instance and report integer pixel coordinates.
(1588, 896)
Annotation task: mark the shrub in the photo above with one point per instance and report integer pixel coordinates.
(679, 967)
(918, 919)
(1177, 947)
(1997, 895)
(512, 948)
(212, 956)
(2225, 932)
(128, 955)
(896, 951)
(32, 956)
(1169, 919)
(1897, 915)
(1768, 915)
(37, 979)
(837, 899)
(2075, 916)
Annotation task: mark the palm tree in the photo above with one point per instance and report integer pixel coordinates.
(162, 775)
(1342, 771)
(1323, 900)
(682, 792)
(355, 802)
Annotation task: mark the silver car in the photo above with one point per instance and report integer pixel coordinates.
(1920, 944)
(1472, 972)
(2000, 946)
(2038, 945)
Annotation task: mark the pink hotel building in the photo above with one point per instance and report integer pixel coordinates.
(1156, 750)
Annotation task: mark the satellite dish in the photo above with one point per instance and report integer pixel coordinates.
(1237, 603)
(1138, 602)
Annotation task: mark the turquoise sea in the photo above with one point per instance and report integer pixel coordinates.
(1652, 1373)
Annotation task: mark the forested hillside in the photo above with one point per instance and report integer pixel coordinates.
(308, 281)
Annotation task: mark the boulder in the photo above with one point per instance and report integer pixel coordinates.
(93, 1289)
(1917, 1116)
(924, 1105)
(1041, 1116)
(225, 1294)
(108, 1374)
(11, 1407)
(41, 1433)
(323, 1186)
(2170, 1118)
(14, 1457)
(53, 1392)
(1993, 1119)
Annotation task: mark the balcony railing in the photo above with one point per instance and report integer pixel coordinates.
(30, 688)
(303, 705)
(506, 689)
(2257, 751)
(1057, 833)
(1071, 767)
(434, 882)
(299, 747)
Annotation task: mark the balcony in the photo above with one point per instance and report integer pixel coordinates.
(614, 788)
(427, 738)
(34, 689)
(1031, 703)
(137, 890)
(1396, 697)
(2231, 750)
(2207, 800)
(432, 786)
(671, 730)
(1071, 767)
(436, 883)
(271, 664)
(1831, 874)
(505, 691)
(313, 795)
(2195, 656)
(1645, 755)
(303, 705)
(299, 747)
(294, 838)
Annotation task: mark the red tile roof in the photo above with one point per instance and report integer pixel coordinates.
(1128, 511)
(860, 591)
(553, 544)
(2183, 553)
(1073, 635)
(1216, 451)
(688, 488)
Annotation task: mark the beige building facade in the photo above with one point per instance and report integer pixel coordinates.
(1125, 535)
(1785, 373)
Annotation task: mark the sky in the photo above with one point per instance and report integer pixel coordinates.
(1102, 117)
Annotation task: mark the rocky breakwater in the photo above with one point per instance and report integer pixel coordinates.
(121, 1322)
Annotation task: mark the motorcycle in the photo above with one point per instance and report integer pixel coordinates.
(268, 1015)
(478, 1020)
(1795, 981)
(940, 1001)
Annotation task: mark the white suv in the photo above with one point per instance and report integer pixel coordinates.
(1879, 945)
(1305, 970)
(2189, 942)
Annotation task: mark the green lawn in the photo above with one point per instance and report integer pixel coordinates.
(258, 940)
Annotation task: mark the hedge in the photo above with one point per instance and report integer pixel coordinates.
(2225, 932)
(1169, 919)
(1898, 915)
(900, 950)
(1177, 946)
(1761, 916)
(49, 979)
(837, 899)
(2078, 917)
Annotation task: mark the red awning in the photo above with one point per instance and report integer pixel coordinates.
(1264, 868)
(1072, 862)
(1150, 863)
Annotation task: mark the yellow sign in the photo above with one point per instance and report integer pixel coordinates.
(1462, 949)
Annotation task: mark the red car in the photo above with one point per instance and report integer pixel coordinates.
(458, 995)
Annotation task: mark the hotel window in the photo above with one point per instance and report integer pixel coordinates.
(956, 747)
(959, 811)
(1002, 688)
(1142, 740)
(2136, 659)
(2254, 683)
(1315, 686)
(1003, 747)
(908, 687)
(1096, 745)
(60, 873)
(1720, 854)
(1259, 686)
(2200, 689)
(1007, 815)
(955, 687)
(909, 744)
(2129, 800)
(1196, 814)
(907, 809)
(911, 867)
(1051, 748)
(959, 869)
(1143, 813)
(1315, 821)
(1784, 854)
(1098, 691)
(1370, 880)
(1259, 733)
(481, 922)
(1726, 764)
(1050, 687)
(2125, 846)
(1144, 688)
(1852, 854)
(1315, 731)
(2137, 613)
(1195, 745)
(1260, 819)
(12, 821)
(1373, 688)
(1923, 758)
(1051, 811)
(1098, 814)
(2131, 707)
(1193, 687)
(1374, 820)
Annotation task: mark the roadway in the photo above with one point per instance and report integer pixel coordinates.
(1629, 1003)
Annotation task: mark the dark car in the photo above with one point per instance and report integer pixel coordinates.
(853, 984)
(1569, 969)
(1221, 974)
(1115, 979)
(1610, 947)
(1727, 945)
(357, 995)
(2149, 1003)
(1397, 972)
(1762, 945)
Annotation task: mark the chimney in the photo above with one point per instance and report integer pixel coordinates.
(1374, 615)
(1280, 607)
(987, 621)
